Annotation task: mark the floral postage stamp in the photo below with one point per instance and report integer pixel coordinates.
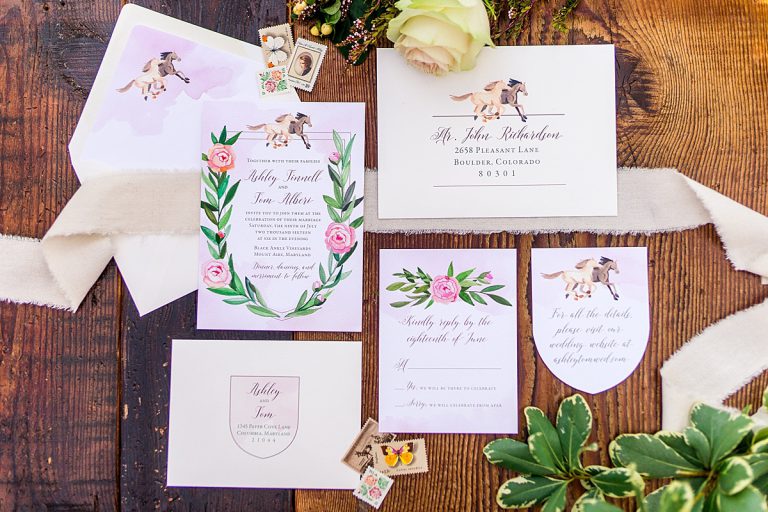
(276, 44)
(273, 82)
(400, 457)
(373, 487)
(304, 64)
(359, 455)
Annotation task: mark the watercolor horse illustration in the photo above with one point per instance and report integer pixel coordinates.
(581, 277)
(602, 275)
(152, 82)
(586, 275)
(489, 103)
(280, 133)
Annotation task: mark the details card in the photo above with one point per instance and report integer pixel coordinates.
(590, 313)
(529, 132)
(256, 413)
(281, 222)
(448, 341)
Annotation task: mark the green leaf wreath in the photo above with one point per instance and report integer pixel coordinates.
(421, 288)
(218, 194)
(718, 463)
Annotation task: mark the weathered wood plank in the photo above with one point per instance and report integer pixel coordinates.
(58, 394)
(146, 341)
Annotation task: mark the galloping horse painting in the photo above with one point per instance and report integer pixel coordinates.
(489, 103)
(280, 133)
(586, 275)
(152, 82)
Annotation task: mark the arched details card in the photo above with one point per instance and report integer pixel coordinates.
(448, 341)
(281, 217)
(590, 313)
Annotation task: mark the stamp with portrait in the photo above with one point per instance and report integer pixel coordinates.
(359, 455)
(304, 64)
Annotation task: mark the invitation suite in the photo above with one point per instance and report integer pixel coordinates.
(529, 132)
(263, 413)
(591, 315)
(143, 116)
(281, 217)
(448, 341)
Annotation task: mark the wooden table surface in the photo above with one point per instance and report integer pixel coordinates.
(84, 397)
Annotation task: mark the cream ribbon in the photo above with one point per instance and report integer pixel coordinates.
(59, 270)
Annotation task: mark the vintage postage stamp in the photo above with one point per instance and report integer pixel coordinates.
(276, 44)
(273, 82)
(304, 64)
(373, 487)
(359, 455)
(401, 457)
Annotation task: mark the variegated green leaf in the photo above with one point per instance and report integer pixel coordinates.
(618, 482)
(598, 506)
(696, 439)
(591, 495)
(556, 500)
(676, 441)
(514, 455)
(723, 429)
(750, 499)
(543, 440)
(650, 456)
(574, 425)
(759, 463)
(735, 476)
(527, 491)
(676, 497)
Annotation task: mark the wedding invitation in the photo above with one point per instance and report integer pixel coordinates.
(143, 116)
(263, 413)
(591, 315)
(281, 222)
(448, 341)
(529, 132)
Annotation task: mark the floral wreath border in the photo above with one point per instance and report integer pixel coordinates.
(216, 205)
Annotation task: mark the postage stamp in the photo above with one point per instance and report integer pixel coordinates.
(359, 455)
(401, 457)
(373, 487)
(273, 82)
(304, 64)
(276, 44)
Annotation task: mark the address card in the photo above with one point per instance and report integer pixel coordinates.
(529, 132)
(448, 341)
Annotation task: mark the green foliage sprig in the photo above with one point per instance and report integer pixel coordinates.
(717, 464)
(357, 26)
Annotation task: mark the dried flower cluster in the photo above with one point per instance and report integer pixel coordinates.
(357, 26)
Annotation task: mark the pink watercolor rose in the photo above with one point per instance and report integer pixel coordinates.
(221, 158)
(444, 289)
(339, 238)
(370, 480)
(489, 276)
(270, 86)
(215, 274)
(334, 157)
(374, 493)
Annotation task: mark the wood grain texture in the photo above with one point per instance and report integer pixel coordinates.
(84, 398)
(57, 370)
(146, 341)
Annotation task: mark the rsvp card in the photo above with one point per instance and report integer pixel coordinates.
(590, 313)
(529, 132)
(263, 414)
(448, 341)
(281, 217)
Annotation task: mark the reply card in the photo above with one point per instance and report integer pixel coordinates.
(448, 341)
(281, 222)
(263, 413)
(590, 313)
(529, 132)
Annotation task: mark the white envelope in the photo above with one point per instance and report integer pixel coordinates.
(122, 132)
(263, 414)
